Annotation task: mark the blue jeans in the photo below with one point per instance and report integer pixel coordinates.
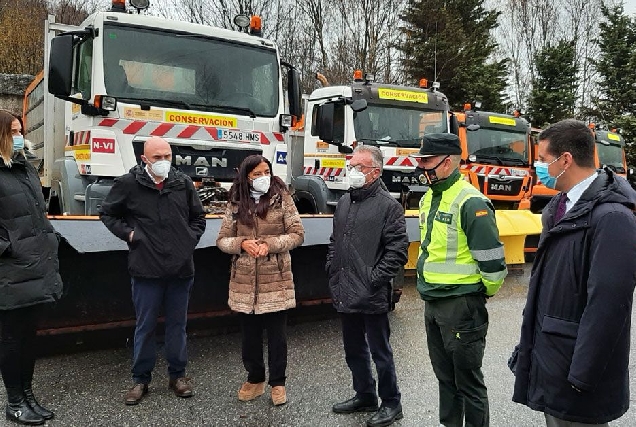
(148, 296)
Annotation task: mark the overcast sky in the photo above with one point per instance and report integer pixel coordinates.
(630, 7)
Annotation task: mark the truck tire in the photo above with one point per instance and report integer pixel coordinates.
(53, 206)
(71, 184)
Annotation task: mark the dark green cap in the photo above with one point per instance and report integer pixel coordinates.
(439, 144)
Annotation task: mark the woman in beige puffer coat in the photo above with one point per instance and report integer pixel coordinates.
(260, 227)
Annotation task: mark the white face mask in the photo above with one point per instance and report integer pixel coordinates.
(357, 179)
(161, 168)
(261, 184)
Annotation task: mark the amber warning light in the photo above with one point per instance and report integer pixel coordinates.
(256, 25)
(118, 6)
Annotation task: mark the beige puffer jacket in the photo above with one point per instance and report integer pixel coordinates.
(265, 284)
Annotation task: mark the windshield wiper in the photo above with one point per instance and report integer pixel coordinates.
(377, 141)
(502, 160)
(227, 108)
(489, 157)
(408, 142)
(411, 142)
(515, 160)
(159, 102)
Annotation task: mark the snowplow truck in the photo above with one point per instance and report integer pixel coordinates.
(119, 78)
(339, 118)
(497, 156)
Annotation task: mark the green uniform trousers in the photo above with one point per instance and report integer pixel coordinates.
(456, 330)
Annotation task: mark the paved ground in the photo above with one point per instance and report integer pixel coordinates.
(86, 388)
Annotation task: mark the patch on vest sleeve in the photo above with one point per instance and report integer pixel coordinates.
(444, 217)
(483, 212)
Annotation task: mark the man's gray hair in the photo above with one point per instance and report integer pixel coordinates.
(376, 155)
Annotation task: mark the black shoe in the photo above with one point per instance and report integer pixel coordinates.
(37, 408)
(356, 404)
(22, 413)
(385, 416)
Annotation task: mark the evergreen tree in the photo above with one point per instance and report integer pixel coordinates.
(451, 41)
(616, 65)
(553, 94)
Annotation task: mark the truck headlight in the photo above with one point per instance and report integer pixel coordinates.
(106, 103)
(286, 121)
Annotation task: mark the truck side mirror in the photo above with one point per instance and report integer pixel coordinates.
(359, 105)
(324, 118)
(293, 93)
(61, 66)
(454, 124)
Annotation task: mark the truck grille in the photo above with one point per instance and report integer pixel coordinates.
(501, 187)
(219, 164)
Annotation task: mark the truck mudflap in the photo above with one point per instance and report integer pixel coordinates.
(93, 266)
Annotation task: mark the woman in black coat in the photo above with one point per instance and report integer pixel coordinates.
(29, 272)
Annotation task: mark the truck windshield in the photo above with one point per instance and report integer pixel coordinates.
(192, 72)
(612, 156)
(498, 146)
(397, 126)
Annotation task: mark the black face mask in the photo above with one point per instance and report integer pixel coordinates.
(429, 176)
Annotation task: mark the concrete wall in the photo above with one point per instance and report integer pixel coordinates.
(12, 87)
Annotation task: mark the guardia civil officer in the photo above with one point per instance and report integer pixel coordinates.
(461, 264)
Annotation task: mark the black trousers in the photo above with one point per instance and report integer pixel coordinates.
(253, 326)
(456, 335)
(17, 346)
(551, 421)
(365, 336)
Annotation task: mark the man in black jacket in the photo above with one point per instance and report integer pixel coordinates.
(156, 210)
(367, 248)
(572, 361)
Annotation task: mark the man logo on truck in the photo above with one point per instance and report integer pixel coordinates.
(200, 161)
(501, 187)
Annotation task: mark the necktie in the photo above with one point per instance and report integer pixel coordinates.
(560, 210)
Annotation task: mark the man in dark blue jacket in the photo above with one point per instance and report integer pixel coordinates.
(572, 361)
(156, 210)
(368, 247)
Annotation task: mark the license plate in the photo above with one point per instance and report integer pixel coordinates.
(240, 136)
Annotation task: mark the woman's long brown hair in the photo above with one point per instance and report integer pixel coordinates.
(240, 192)
(6, 138)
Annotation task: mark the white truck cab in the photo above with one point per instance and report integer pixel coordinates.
(338, 118)
(215, 95)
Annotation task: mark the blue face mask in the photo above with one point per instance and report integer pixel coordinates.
(544, 176)
(18, 142)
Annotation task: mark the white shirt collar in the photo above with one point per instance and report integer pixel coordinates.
(577, 191)
(152, 177)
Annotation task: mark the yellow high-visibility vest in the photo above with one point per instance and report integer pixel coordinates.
(449, 258)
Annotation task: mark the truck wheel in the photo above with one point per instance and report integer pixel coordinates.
(71, 183)
(53, 206)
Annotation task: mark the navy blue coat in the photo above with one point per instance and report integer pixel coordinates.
(577, 319)
(367, 247)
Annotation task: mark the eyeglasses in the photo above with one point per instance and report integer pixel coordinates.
(359, 168)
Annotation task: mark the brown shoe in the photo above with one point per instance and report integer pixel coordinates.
(181, 387)
(251, 391)
(134, 395)
(279, 395)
